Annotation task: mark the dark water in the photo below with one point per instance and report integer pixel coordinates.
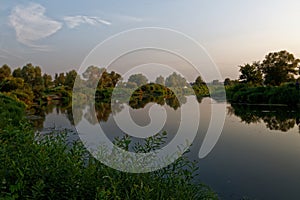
(256, 157)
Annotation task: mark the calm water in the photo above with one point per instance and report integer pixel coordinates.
(256, 156)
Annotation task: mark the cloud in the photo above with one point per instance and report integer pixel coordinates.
(74, 21)
(31, 24)
(5, 54)
(129, 18)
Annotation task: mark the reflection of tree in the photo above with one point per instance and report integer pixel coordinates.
(275, 118)
(245, 113)
(274, 123)
(150, 93)
(173, 103)
(37, 114)
(199, 98)
(103, 110)
(157, 94)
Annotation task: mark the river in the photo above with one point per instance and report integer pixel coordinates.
(255, 157)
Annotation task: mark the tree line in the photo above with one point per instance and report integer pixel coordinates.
(276, 68)
(29, 84)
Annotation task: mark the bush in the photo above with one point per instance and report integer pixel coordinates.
(284, 94)
(11, 111)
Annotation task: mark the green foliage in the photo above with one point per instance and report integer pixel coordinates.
(175, 80)
(139, 79)
(108, 80)
(47, 81)
(11, 111)
(251, 74)
(279, 67)
(59, 79)
(160, 80)
(201, 90)
(199, 81)
(70, 79)
(227, 82)
(243, 93)
(5, 72)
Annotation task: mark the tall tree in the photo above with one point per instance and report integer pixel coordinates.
(70, 79)
(251, 73)
(199, 81)
(175, 80)
(92, 75)
(160, 80)
(227, 81)
(5, 72)
(17, 73)
(139, 79)
(279, 67)
(59, 79)
(108, 80)
(47, 80)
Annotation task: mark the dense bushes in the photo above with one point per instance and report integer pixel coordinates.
(35, 167)
(11, 111)
(284, 94)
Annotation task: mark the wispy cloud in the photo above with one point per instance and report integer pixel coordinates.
(128, 18)
(31, 24)
(74, 21)
(5, 54)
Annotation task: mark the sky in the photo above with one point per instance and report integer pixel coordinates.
(58, 35)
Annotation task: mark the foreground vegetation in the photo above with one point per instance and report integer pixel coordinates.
(34, 167)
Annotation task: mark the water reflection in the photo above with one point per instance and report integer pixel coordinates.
(103, 109)
(281, 118)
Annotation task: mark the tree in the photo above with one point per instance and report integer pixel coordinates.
(11, 83)
(5, 72)
(160, 80)
(139, 79)
(17, 73)
(70, 79)
(251, 73)
(199, 81)
(175, 80)
(227, 81)
(279, 67)
(47, 80)
(109, 80)
(59, 79)
(92, 75)
(32, 77)
(28, 74)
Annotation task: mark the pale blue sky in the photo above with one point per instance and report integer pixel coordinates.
(57, 35)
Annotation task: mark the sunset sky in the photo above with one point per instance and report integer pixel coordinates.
(57, 35)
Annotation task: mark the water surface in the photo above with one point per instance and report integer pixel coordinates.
(256, 156)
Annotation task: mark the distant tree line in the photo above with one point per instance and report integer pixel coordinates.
(277, 68)
(28, 84)
(275, 80)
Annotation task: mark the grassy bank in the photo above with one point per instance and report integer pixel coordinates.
(50, 169)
